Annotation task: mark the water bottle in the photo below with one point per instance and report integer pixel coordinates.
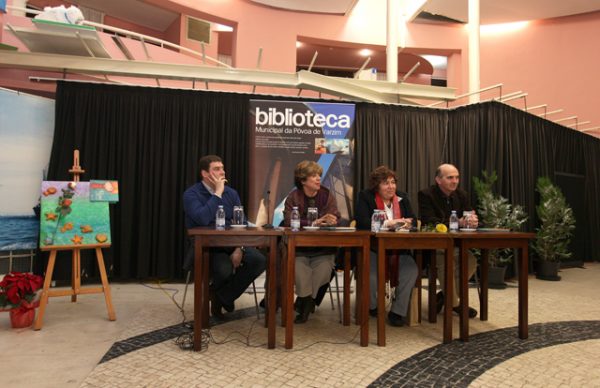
(295, 219)
(453, 224)
(220, 219)
(376, 221)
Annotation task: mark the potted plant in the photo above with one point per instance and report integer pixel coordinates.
(556, 228)
(496, 212)
(19, 293)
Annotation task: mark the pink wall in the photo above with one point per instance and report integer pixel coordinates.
(555, 61)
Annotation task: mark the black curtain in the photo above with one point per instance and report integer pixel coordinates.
(521, 147)
(150, 140)
(411, 141)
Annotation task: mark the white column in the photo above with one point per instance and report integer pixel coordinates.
(17, 3)
(391, 51)
(474, 57)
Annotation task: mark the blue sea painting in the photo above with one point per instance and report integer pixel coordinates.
(18, 232)
(68, 218)
(26, 132)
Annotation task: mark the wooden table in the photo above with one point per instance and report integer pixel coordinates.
(486, 241)
(321, 238)
(412, 240)
(210, 237)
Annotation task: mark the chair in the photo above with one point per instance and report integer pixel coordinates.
(188, 265)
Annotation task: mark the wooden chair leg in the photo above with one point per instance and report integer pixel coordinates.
(44, 298)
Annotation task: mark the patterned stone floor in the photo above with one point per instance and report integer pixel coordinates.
(78, 346)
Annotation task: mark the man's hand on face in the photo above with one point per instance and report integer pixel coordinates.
(218, 182)
(236, 257)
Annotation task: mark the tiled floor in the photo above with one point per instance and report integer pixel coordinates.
(78, 346)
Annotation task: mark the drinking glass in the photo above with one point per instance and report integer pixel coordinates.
(312, 215)
(238, 215)
(469, 221)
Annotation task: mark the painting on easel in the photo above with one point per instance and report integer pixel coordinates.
(69, 219)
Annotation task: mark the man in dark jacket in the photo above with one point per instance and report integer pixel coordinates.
(436, 203)
(232, 270)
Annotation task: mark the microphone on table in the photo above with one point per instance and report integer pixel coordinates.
(268, 225)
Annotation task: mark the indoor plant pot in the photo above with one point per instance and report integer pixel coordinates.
(556, 227)
(19, 294)
(496, 278)
(547, 270)
(23, 316)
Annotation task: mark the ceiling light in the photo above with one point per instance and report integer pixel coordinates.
(223, 27)
(490, 29)
(298, 44)
(365, 52)
(437, 61)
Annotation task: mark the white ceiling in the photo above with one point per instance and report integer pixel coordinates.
(492, 11)
(504, 11)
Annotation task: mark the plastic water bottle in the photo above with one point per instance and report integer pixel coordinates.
(376, 221)
(295, 219)
(220, 219)
(453, 224)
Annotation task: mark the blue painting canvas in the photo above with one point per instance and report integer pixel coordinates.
(69, 218)
(26, 130)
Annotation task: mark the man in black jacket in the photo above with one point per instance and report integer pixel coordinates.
(435, 206)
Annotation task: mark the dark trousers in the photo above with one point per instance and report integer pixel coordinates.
(229, 285)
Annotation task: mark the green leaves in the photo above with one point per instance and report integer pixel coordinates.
(496, 212)
(557, 222)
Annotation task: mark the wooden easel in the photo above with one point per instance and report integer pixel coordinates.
(76, 289)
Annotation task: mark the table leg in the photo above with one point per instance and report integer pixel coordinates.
(449, 289)
(205, 289)
(433, 287)
(484, 283)
(198, 293)
(419, 282)
(271, 296)
(291, 262)
(364, 296)
(380, 293)
(346, 305)
(464, 293)
(523, 290)
(284, 286)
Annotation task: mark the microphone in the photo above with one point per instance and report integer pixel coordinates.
(268, 225)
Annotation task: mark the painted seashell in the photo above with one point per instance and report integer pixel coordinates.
(86, 229)
(51, 190)
(101, 237)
